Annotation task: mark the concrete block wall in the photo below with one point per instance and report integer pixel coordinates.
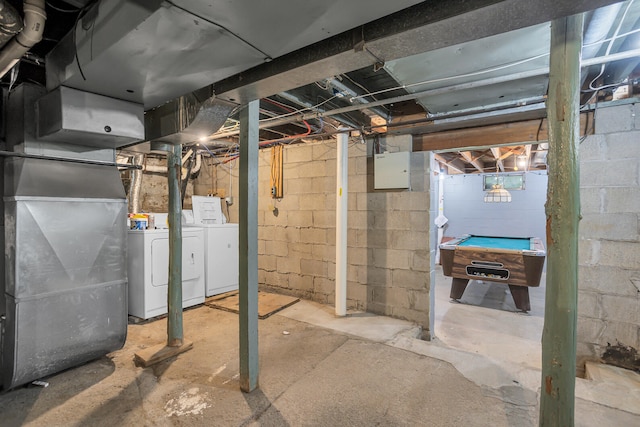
(390, 265)
(154, 193)
(609, 246)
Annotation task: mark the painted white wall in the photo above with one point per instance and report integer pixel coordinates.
(468, 214)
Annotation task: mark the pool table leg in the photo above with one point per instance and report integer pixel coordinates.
(520, 296)
(457, 288)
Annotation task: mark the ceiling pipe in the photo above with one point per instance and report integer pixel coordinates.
(10, 22)
(34, 18)
(356, 97)
(292, 98)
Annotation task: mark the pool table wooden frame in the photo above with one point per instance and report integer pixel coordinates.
(517, 268)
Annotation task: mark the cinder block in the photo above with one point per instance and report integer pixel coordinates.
(419, 301)
(267, 262)
(289, 202)
(313, 235)
(357, 293)
(417, 280)
(330, 202)
(420, 261)
(300, 219)
(313, 267)
(588, 251)
(324, 151)
(609, 280)
(623, 145)
(376, 276)
(325, 219)
(620, 254)
(289, 234)
(323, 285)
(324, 252)
(358, 256)
(301, 249)
(419, 221)
(590, 330)
(312, 202)
(622, 199)
(288, 265)
(411, 240)
(377, 238)
(410, 201)
(360, 220)
(301, 282)
(266, 232)
(276, 279)
(271, 219)
(621, 309)
(354, 271)
(313, 169)
(614, 173)
(614, 119)
(261, 247)
(393, 220)
(391, 258)
(610, 226)
(322, 185)
(277, 248)
(592, 200)
(357, 183)
(588, 304)
(593, 148)
(622, 332)
(419, 317)
(298, 153)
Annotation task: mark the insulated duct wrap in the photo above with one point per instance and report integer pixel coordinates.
(136, 184)
(187, 118)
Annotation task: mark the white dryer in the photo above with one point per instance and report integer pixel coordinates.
(148, 270)
(221, 249)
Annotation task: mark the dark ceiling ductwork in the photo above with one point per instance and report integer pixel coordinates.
(187, 118)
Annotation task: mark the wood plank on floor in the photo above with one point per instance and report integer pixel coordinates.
(268, 303)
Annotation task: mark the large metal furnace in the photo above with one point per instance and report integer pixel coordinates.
(63, 299)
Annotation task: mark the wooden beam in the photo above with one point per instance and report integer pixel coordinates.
(557, 398)
(496, 153)
(474, 161)
(455, 164)
(516, 133)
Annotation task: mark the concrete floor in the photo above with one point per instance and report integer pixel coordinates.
(318, 370)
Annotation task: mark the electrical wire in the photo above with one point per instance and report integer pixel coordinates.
(609, 47)
(59, 9)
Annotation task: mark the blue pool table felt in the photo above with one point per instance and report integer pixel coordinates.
(497, 243)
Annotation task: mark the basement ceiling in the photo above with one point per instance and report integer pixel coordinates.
(426, 67)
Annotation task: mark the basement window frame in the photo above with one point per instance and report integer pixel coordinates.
(508, 181)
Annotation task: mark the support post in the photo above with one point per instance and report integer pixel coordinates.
(557, 400)
(248, 211)
(174, 297)
(175, 341)
(342, 197)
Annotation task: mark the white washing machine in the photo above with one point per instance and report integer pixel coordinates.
(221, 249)
(148, 270)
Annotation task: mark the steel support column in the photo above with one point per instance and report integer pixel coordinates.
(248, 210)
(342, 197)
(563, 214)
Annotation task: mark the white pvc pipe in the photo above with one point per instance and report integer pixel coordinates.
(342, 195)
(34, 18)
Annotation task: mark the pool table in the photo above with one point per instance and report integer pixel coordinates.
(517, 262)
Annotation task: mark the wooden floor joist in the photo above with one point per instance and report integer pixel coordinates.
(516, 133)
